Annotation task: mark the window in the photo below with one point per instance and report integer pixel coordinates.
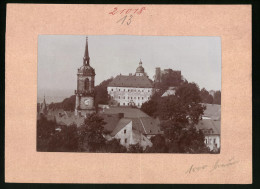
(142, 97)
(138, 98)
(142, 90)
(214, 141)
(128, 97)
(124, 97)
(138, 104)
(125, 131)
(119, 97)
(111, 89)
(123, 103)
(135, 97)
(124, 89)
(119, 89)
(126, 140)
(206, 141)
(148, 91)
(128, 90)
(131, 97)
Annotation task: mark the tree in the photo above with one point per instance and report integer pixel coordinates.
(135, 148)
(159, 145)
(149, 107)
(183, 107)
(217, 98)
(205, 96)
(91, 134)
(114, 146)
(45, 129)
(101, 95)
(183, 139)
(179, 113)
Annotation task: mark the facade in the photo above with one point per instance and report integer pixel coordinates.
(131, 90)
(210, 126)
(128, 135)
(85, 86)
(211, 130)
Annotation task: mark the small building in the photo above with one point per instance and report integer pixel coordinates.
(169, 92)
(211, 130)
(130, 90)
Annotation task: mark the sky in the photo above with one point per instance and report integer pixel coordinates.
(59, 57)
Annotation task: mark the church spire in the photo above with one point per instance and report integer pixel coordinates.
(44, 106)
(86, 55)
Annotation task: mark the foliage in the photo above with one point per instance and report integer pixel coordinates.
(114, 146)
(64, 140)
(159, 145)
(68, 104)
(135, 148)
(205, 96)
(50, 139)
(217, 97)
(101, 95)
(91, 134)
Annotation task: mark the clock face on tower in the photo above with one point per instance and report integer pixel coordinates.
(86, 102)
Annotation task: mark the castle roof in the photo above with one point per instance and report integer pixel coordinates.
(140, 68)
(131, 81)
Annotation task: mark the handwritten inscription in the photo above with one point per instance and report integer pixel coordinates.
(217, 165)
(127, 11)
(128, 14)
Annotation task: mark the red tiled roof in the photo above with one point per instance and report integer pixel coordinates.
(131, 81)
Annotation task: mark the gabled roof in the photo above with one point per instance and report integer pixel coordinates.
(131, 81)
(207, 124)
(120, 125)
(111, 121)
(128, 112)
(146, 125)
(212, 111)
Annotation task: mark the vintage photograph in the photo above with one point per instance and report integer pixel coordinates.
(129, 94)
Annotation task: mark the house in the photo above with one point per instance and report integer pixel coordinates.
(170, 91)
(211, 130)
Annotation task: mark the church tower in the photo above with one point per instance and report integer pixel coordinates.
(85, 86)
(43, 107)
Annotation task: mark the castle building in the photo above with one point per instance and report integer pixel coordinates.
(85, 86)
(131, 90)
(174, 76)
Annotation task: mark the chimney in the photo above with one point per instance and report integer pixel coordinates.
(120, 115)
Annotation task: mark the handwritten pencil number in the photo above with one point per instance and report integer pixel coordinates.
(129, 20)
(124, 18)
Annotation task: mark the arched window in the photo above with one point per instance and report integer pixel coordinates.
(87, 84)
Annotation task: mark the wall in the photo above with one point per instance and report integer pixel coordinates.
(122, 135)
(126, 95)
(209, 141)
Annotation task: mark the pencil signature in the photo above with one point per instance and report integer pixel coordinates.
(219, 164)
